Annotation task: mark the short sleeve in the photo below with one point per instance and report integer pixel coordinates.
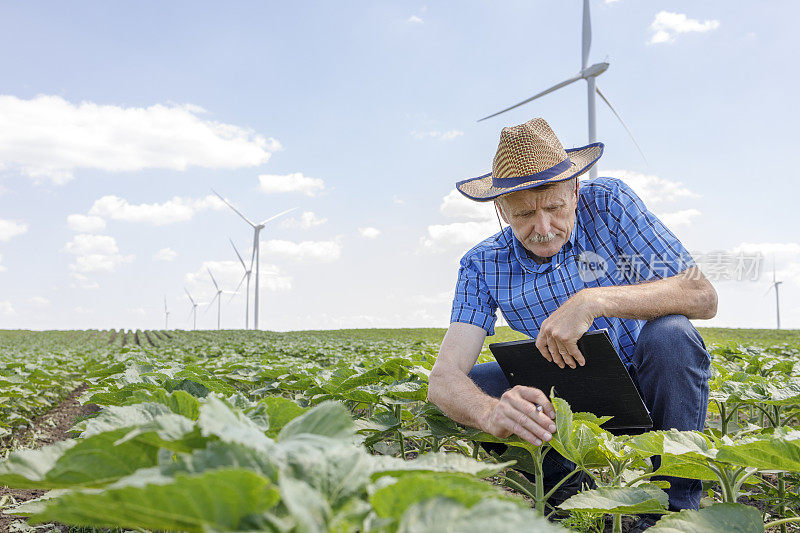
(646, 248)
(473, 304)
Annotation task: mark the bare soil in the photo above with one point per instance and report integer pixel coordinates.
(49, 428)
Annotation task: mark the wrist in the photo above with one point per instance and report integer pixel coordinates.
(592, 302)
(485, 417)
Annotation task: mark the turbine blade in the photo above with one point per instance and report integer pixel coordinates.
(586, 43)
(547, 91)
(189, 295)
(622, 122)
(237, 253)
(234, 293)
(231, 206)
(212, 278)
(769, 289)
(253, 251)
(276, 216)
(211, 302)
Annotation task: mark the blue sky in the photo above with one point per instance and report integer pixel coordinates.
(117, 120)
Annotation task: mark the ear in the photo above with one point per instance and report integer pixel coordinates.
(498, 205)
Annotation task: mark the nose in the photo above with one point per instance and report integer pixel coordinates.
(541, 223)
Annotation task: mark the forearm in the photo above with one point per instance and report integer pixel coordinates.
(459, 398)
(688, 293)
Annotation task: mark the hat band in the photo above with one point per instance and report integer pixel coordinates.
(507, 183)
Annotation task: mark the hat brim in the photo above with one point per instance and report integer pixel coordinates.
(481, 189)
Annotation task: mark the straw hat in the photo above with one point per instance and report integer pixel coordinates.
(528, 156)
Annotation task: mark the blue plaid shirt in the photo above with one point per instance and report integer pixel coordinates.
(615, 241)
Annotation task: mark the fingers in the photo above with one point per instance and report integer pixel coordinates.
(517, 413)
(541, 344)
(572, 349)
(548, 348)
(537, 397)
(565, 354)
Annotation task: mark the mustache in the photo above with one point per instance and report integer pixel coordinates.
(537, 238)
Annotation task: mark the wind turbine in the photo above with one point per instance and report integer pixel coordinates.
(247, 272)
(777, 297)
(256, 246)
(194, 308)
(166, 313)
(216, 297)
(588, 73)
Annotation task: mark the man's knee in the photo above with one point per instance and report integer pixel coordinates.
(489, 378)
(674, 340)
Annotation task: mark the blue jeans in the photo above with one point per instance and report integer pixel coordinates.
(670, 367)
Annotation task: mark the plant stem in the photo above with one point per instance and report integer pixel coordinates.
(782, 496)
(781, 522)
(617, 523)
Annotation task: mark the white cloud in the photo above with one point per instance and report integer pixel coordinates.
(652, 189)
(437, 134)
(397, 200)
(306, 251)
(369, 232)
(48, 137)
(165, 254)
(442, 236)
(295, 182)
(667, 25)
(176, 210)
(307, 220)
(769, 248)
(414, 19)
(440, 298)
(6, 308)
(228, 275)
(39, 301)
(82, 281)
(85, 223)
(95, 253)
(679, 218)
(456, 205)
(2, 268)
(10, 229)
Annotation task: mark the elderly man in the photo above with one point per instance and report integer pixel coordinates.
(575, 257)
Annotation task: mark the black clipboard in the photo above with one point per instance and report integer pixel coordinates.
(602, 387)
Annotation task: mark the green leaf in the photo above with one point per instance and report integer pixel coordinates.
(306, 505)
(777, 452)
(92, 462)
(330, 419)
(435, 462)
(727, 517)
(218, 500)
(115, 417)
(230, 425)
(280, 411)
(498, 516)
(645, 498)
(392, 501)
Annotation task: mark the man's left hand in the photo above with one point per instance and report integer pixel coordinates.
(558, 337)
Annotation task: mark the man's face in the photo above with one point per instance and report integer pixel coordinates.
(541, 220)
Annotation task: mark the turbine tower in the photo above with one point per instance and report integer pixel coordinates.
(590, 74)
(777, 296)
(256, 246)
(194, 308)
(216, 297)
(247, 272)
(166, 313)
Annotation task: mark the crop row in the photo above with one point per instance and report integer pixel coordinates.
(242, 431)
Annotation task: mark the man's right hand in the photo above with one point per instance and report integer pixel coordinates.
(516, 413)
